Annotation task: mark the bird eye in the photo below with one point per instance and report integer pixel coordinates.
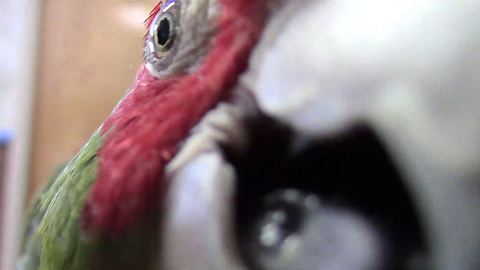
(161, 36)
(163, 33)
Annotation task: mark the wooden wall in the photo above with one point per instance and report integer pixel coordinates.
(89, 53)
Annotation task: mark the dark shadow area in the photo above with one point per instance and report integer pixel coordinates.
(351, 170)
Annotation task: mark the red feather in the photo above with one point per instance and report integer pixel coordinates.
(153, 13)
(143, 133)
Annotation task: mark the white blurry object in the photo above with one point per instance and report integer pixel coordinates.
(19, 28)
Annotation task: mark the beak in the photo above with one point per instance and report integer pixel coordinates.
(248, 192)
(198, 228)
(356, 147)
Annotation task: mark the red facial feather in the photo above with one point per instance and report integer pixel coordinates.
(153, 13)
(143, 133)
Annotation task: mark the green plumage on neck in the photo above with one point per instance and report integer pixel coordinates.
(54, 239)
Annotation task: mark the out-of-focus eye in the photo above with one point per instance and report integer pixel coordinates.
(293, 230)
(330, 203)
(163, 32)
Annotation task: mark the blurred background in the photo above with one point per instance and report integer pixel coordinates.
(63, 67)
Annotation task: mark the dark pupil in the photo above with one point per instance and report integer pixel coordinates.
(163, 32)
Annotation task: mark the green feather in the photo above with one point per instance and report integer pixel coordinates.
(54, 239)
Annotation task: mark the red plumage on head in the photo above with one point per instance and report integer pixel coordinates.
(153, 13)
(143, 133)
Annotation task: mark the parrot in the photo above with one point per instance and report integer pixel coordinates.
(280, 135)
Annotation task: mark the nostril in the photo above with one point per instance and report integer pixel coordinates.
(356, 184)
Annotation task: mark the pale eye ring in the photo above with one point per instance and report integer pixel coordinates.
(163, 32)
(162, 36)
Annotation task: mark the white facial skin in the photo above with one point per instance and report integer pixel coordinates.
(409, 69)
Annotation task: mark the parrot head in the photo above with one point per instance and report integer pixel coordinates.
(282, 135)
(194, 52)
